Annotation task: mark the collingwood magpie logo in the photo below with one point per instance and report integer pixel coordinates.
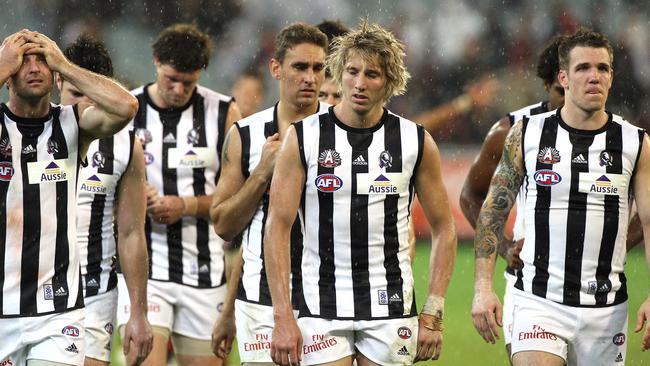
(99, 161)
(385, 159)
(52, 146)
(193, 137)
(143, 135)
(605, 158)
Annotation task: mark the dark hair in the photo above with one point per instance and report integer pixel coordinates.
(295, 34)
(90, 54)
(332, 29)
(183, 47)
(584, 37)
(548, 63)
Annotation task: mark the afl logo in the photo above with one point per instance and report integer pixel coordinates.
(328, 183)
(404, 332)
(619, 339)
(6, 171)
(70, 331)
(546, 178)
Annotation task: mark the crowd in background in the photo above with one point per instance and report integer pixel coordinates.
(450, 43)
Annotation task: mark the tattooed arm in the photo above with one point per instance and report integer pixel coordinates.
(489, 233)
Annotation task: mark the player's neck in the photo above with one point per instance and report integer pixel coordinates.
(582, 119)
(357, 118)
(29, 107)
(289, 113)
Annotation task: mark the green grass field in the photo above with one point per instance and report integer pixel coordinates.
(462, 344)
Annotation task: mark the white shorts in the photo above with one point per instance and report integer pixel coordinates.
(184, 310)
(508, 307)
(55, 338)
(581, 336)
(385, 342)
(254, 331)
(100, 322)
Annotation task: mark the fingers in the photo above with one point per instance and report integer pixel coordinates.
(126, 342)
(640, 319)
(274, 137)
(438, 350)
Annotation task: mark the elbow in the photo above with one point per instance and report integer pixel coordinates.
(130, 107)
(220, 226)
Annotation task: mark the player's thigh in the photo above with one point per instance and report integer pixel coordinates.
(603, 337)
(542, 327)
(191, 351)
(326, 341)
(254, 331)
(536, 358)
(158, 354)
(58, 338)
(197, 310)
(99, 324)
(387, 341)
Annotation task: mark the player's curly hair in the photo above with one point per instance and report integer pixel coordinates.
(183, 47)
(584, 37)
(372, 43)
(295, 34)
(91, 54)
(548, 63)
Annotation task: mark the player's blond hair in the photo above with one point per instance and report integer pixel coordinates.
(372, 43)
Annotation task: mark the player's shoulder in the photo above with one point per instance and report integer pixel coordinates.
(624, 123)
(263, 116)
(138, 91)
(314, 119)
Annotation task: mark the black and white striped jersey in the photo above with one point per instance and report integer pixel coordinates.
(38, 245)
(108, 160)
(576, 211)
(182, 147)
(253, 287)
(355, 212)
(531, 110)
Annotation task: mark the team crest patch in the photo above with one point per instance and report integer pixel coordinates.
(99, 161)
(329, 158)
(328, 183)
(385, 159)
(5, 147)
(193, 137)
(143, 135)
(547, 178)
(548, 155)
(605, 158)
(52, 146)
(6, 171)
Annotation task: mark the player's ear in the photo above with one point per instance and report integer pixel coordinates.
(274, 68)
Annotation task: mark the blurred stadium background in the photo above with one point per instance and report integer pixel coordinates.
(450, 44)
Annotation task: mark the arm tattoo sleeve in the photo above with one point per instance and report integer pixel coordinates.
(501, 196)
(224, 155)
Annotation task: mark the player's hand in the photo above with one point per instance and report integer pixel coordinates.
(269, 154)
(286, 342)
(167, 210)
(138, 340)
(49, 49)
(429, 341)
(223, 335)
(486, 314)
(152, 196)
(12, 50)
(643, 317)
(512, 255)
(483, 92)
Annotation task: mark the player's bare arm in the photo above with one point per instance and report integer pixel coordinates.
(478, 180)
(489, 233)
(224, 330)
(286, 190)
(642, 197)
(433, 199)
(138, 338)
(236, 198)
(168, 209)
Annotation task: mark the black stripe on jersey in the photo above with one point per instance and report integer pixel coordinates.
(221, 123)
(198, 184)
(297, 297)
(140, 121)
(393, 144)
(170, 188)
(327, 280)
(542, 108)
(7, 168)
(575, 228)
(245, 137)
(359, 228)
(614, 146)
(94, 268)
(301, 148)
(542, 206)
